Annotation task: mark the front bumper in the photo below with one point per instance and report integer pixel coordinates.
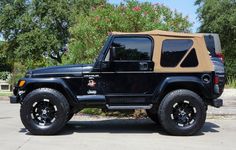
(13, 100)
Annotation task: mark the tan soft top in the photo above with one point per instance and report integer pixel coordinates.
(161, 33)
(204, 62)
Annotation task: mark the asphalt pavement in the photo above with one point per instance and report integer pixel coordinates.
(109, 133)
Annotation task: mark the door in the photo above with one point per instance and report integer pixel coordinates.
(129, 76)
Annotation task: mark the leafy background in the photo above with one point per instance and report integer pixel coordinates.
(38, 32)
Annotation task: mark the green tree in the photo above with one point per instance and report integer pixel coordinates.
(4, 65)
(219, 16)
(90, 31)
(36, 28)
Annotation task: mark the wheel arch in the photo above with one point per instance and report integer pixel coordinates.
(173, 83)
(53, 83)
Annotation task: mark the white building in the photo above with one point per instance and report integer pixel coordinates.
(4, 86)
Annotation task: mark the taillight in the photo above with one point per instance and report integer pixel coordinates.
(216, 85)
(220, 55)
(216, 80)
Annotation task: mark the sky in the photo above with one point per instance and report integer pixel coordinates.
(186, 7)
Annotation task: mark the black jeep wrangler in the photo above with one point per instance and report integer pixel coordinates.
(168, 74)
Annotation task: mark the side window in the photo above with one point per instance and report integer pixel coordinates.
(173, 51)
(210, 44)
(132, 48)
(191, 60)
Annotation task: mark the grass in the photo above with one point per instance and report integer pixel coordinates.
(231, 83)
(92, 111)
(5, 93)
(98, 111)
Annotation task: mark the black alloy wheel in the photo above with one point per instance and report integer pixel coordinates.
(182, 112)
(44, 111)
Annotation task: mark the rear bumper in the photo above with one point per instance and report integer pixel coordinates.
(216, 103)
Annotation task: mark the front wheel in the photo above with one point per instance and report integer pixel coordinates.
(182, 112)
(44, 111)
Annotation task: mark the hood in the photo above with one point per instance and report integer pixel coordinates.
(60, 71)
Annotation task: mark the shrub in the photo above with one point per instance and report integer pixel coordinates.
(4, 75)
(90, 31)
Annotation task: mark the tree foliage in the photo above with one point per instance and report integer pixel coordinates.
(90, 31)
(36, 28)
(4, 65)
(219, 16)
(36, 31)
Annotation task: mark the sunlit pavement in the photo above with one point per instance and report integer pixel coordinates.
(86, 132)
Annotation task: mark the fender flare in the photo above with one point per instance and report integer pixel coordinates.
(168, 82)
(47, 82)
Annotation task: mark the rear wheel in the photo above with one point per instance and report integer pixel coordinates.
(182, 112)
(44, 111)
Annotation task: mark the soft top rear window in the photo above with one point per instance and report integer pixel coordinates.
(173, 50)
(210, 44)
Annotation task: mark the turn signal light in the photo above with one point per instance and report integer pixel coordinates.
(21, 83)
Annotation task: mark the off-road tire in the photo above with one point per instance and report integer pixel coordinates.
(176, 99)
(54, 99)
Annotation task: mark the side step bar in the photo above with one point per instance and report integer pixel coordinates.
(130, 107)
(100, 100)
